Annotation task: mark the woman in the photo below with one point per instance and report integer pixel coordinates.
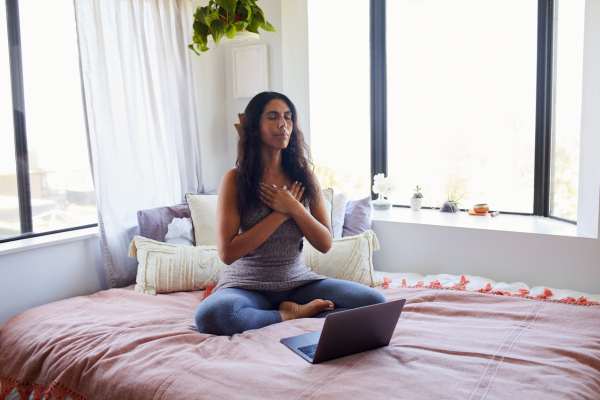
(267, 204)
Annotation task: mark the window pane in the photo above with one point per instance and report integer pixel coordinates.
(10, 223)
(340, 120)
(62, 193)
(567, 109)
(461, 100)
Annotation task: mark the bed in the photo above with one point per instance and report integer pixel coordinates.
(448, 344)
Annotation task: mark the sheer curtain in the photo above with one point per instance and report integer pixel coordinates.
(141, 114)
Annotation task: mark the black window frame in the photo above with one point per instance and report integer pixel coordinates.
(20, 129)
(544, 102)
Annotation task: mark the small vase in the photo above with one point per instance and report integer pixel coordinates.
(450, 207)
(416, 203)
(381, 203)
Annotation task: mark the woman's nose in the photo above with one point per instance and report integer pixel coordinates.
(281, 122)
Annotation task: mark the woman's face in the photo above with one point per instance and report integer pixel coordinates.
(276, 124)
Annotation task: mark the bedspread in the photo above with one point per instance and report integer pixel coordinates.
(120, 344)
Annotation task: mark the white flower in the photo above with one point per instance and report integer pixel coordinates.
(382, 185)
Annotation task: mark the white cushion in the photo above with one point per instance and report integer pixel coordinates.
(203, 208)
(338, 213)
(350, 258)
(164, 267)
(328, 201)
(180, 231)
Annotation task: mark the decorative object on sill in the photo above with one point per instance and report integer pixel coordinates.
(229, 18)
(383, 187)
(416, 201)
(450, 206)
(455, 194)
(481, 209)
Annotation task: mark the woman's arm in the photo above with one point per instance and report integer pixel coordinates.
(231, 244)
(314, 224)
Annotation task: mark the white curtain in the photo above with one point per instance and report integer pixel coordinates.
(142, 117)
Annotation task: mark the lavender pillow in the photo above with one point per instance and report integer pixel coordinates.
(153, 223)
(358, 216)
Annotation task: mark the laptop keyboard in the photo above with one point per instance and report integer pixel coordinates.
(309, 350)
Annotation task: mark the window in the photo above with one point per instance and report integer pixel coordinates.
(50, 187)
(340, 121)
(461, 85)
(9, 201)
(480, 102)
(567, 109)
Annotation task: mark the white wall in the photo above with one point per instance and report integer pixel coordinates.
(589, 166)
(49, 273)
(538, 260)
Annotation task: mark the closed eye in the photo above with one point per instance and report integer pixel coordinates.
(273, 115)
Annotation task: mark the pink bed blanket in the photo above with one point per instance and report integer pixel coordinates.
(120, 344)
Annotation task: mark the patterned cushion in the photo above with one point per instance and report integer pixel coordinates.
(349, 258)
(164, 267)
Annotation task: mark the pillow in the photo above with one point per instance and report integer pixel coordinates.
(203, 208)
(328, 196)
(350, 258)
(180, 231)
(338, 212)
(153, 223)
(358, 217)
(164, 267)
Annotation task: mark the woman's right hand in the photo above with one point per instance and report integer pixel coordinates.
(282, 200)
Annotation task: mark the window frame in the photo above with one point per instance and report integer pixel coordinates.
(20, 128)
(546, 32)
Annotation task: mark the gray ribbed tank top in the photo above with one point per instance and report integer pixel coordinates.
(277, 264)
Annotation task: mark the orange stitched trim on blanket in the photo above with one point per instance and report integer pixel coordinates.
(56, 390)
(208, 290)
(487, 289)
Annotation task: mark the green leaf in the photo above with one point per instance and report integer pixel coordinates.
(268, 27)
(231, 31)
(210, 17)
(228, 5)
(243, 12)
(201, 29)
(240, 25)
(258, 15)
(253, 26)
(217, 29)
(191, 47)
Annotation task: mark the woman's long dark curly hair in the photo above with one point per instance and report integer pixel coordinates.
(295, 158)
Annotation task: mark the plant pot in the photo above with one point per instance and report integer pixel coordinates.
(242, 36)
(416, 203)
(450, 207)
(381, 203)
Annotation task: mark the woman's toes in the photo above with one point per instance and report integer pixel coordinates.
(291, 310)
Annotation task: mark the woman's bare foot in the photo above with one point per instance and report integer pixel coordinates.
(291, 310)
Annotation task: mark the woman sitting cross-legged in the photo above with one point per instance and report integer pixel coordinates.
(266, 205)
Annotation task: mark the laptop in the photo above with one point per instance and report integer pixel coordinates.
(348, 332)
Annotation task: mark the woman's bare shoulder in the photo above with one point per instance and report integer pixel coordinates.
(230, 177)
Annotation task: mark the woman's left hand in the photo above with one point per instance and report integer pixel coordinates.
(282, 200)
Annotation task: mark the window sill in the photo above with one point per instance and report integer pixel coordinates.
(502, 222)
(47, 240)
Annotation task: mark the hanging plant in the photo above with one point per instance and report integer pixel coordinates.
(226, 18)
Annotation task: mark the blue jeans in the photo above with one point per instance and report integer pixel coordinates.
(235, 310)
